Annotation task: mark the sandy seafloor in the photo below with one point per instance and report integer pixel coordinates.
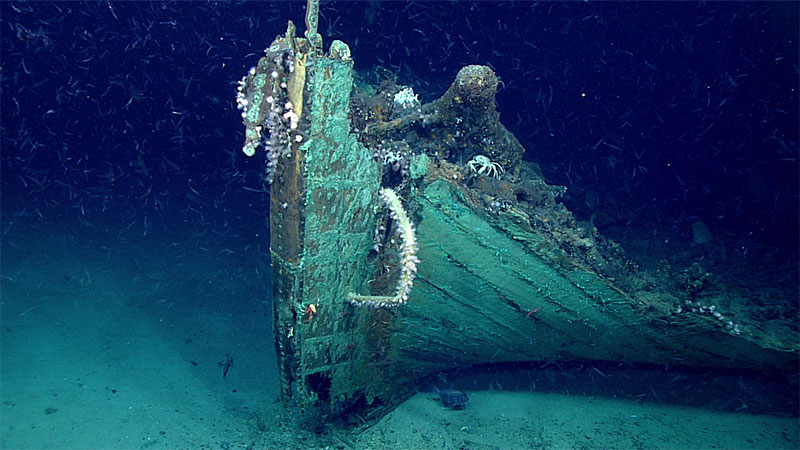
(117, 343)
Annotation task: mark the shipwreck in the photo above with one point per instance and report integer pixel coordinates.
(409, 239)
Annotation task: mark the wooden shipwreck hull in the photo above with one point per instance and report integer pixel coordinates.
(505, 272)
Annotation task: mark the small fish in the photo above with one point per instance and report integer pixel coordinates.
(452, 398)
(226, 364)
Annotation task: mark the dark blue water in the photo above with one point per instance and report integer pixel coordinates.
(648, 113)
(121, 141)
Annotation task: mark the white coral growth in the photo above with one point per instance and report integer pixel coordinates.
(408, 257)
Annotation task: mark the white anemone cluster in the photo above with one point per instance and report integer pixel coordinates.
(406, 98)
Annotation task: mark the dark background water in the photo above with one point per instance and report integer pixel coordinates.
(121, 116)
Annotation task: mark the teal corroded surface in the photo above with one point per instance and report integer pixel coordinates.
(341, 191)
(342, 183)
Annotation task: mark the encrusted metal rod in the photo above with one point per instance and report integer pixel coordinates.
(312, 23)
(408, 257)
